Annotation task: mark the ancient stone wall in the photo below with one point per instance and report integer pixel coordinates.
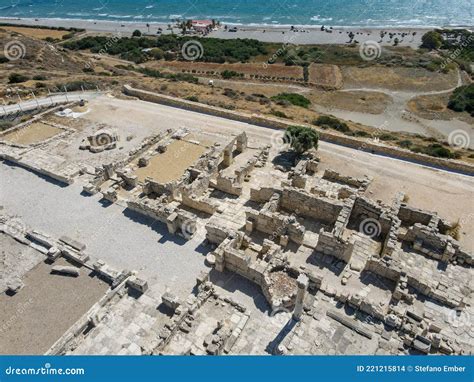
(305, 204)
(410, 216)
(332, 137)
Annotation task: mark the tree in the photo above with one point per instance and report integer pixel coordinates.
(431, 40)
(136, 33)
(157, 53)
(301, 138)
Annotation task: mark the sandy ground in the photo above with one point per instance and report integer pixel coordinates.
(123, 239)
(38, 315)
(312, 35)
(34, 133)
(171, 165)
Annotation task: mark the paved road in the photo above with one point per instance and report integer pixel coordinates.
(47, 101)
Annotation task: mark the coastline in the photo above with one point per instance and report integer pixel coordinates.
(302, 35)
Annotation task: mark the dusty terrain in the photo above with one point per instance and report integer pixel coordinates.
(36, 32)
(45, 308)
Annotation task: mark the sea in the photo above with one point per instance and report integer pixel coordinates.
(357, 13)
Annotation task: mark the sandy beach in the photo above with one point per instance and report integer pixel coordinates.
(276, 34)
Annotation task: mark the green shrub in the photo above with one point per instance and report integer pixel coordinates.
(278, 113)
(431, 40)
(157, 53)
(230, 93)
(462, 99)
(293, 98)
(4, 125)
(387, 137)
(74, 86)
(436, 150)
(406, 144)
(193, 98)
(16, 78)
(227, 74)
(325, 121)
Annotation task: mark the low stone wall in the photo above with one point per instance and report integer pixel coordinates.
(228, 185)
(331, 137)
(329, 244)
(305, 204)
(202, 204)
(410, 216)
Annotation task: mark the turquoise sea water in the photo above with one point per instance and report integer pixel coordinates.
(274, 12)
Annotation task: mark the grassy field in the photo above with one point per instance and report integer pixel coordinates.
(37, 32)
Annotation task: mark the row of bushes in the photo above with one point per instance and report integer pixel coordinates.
(171, 76)
(169, 47)
(293, 99)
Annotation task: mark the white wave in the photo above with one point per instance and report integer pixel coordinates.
(319, 18)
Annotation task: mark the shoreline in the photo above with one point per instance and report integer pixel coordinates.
(300, 35)
(54, 20)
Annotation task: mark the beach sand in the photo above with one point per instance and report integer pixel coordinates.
(276, 34)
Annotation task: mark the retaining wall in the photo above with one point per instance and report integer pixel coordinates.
(331, 137)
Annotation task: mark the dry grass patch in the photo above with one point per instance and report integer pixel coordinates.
(410, 79)
(37, 32)
(33, 133)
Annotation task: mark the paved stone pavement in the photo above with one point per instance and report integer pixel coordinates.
(123, 239)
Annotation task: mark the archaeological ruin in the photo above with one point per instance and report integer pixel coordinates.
(323, 267)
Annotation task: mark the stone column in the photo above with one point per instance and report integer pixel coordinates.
(242, 142)
(302, 282)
